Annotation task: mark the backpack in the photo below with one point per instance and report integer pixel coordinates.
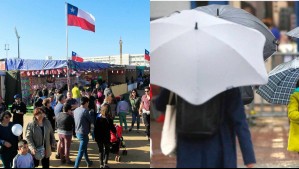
(247, 94)
(200, 121)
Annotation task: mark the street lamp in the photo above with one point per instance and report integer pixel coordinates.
(18, 37)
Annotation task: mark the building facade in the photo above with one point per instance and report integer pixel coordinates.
(127, 59)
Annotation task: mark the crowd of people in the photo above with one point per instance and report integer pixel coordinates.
(75, 113)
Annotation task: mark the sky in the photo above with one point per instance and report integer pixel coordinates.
(42, 28)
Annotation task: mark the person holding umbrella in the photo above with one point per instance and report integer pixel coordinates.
(217, 151)
(210, 82)
(293, 114)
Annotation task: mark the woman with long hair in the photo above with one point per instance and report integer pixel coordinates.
(8, 140)
(135, 103)
(103, 126)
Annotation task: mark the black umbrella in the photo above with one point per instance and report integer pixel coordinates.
(244, 18)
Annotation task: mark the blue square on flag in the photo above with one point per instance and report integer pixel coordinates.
(146, 55)
(146, 52)
(74, 54)
(72, 10)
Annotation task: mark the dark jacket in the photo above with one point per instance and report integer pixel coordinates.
(50, 115)
(218, 151)
(102, 129)
(65, 122)
(3, 107)
(18, 118)
(7, 135)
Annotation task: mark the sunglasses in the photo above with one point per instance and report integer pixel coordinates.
(146, 91)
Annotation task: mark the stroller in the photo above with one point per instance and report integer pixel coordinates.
(117, 142)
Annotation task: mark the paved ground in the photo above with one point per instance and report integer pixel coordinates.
(137, 146)
(270, 139)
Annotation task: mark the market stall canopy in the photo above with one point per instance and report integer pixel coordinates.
(88, 65)
(29, 64)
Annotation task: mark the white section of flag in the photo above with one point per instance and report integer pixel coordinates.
(87, 16)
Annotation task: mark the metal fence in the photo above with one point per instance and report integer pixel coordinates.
(260, 107)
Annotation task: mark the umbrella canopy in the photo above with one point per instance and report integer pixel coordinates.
(242, 17)
(197, 55)
(294, 33)
(282, 82)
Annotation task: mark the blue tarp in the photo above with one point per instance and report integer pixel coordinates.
(28, 64)
(2, 73)
(88, 65)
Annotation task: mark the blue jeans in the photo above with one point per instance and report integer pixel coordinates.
(83, 138)
(135, 117)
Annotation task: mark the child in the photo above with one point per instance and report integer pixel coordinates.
(23, 159)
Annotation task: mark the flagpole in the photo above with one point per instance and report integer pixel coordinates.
(144, 56)
(67, 60)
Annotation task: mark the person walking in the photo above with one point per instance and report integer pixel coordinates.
(144, 110)
(122, 110)
(135, 103)
(293, 114)
(112, 106)
(83, 126)
(65, 125)
(57, 110)
(103, 126)
(8, 140)
(217, 150)
(40, 137)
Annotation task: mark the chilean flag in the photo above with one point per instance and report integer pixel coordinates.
(76, 58)
(77, 17)
(146, 55)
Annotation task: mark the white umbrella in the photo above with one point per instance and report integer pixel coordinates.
(197, 55)
(294, 33)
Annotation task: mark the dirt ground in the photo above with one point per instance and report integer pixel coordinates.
(137, 145)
